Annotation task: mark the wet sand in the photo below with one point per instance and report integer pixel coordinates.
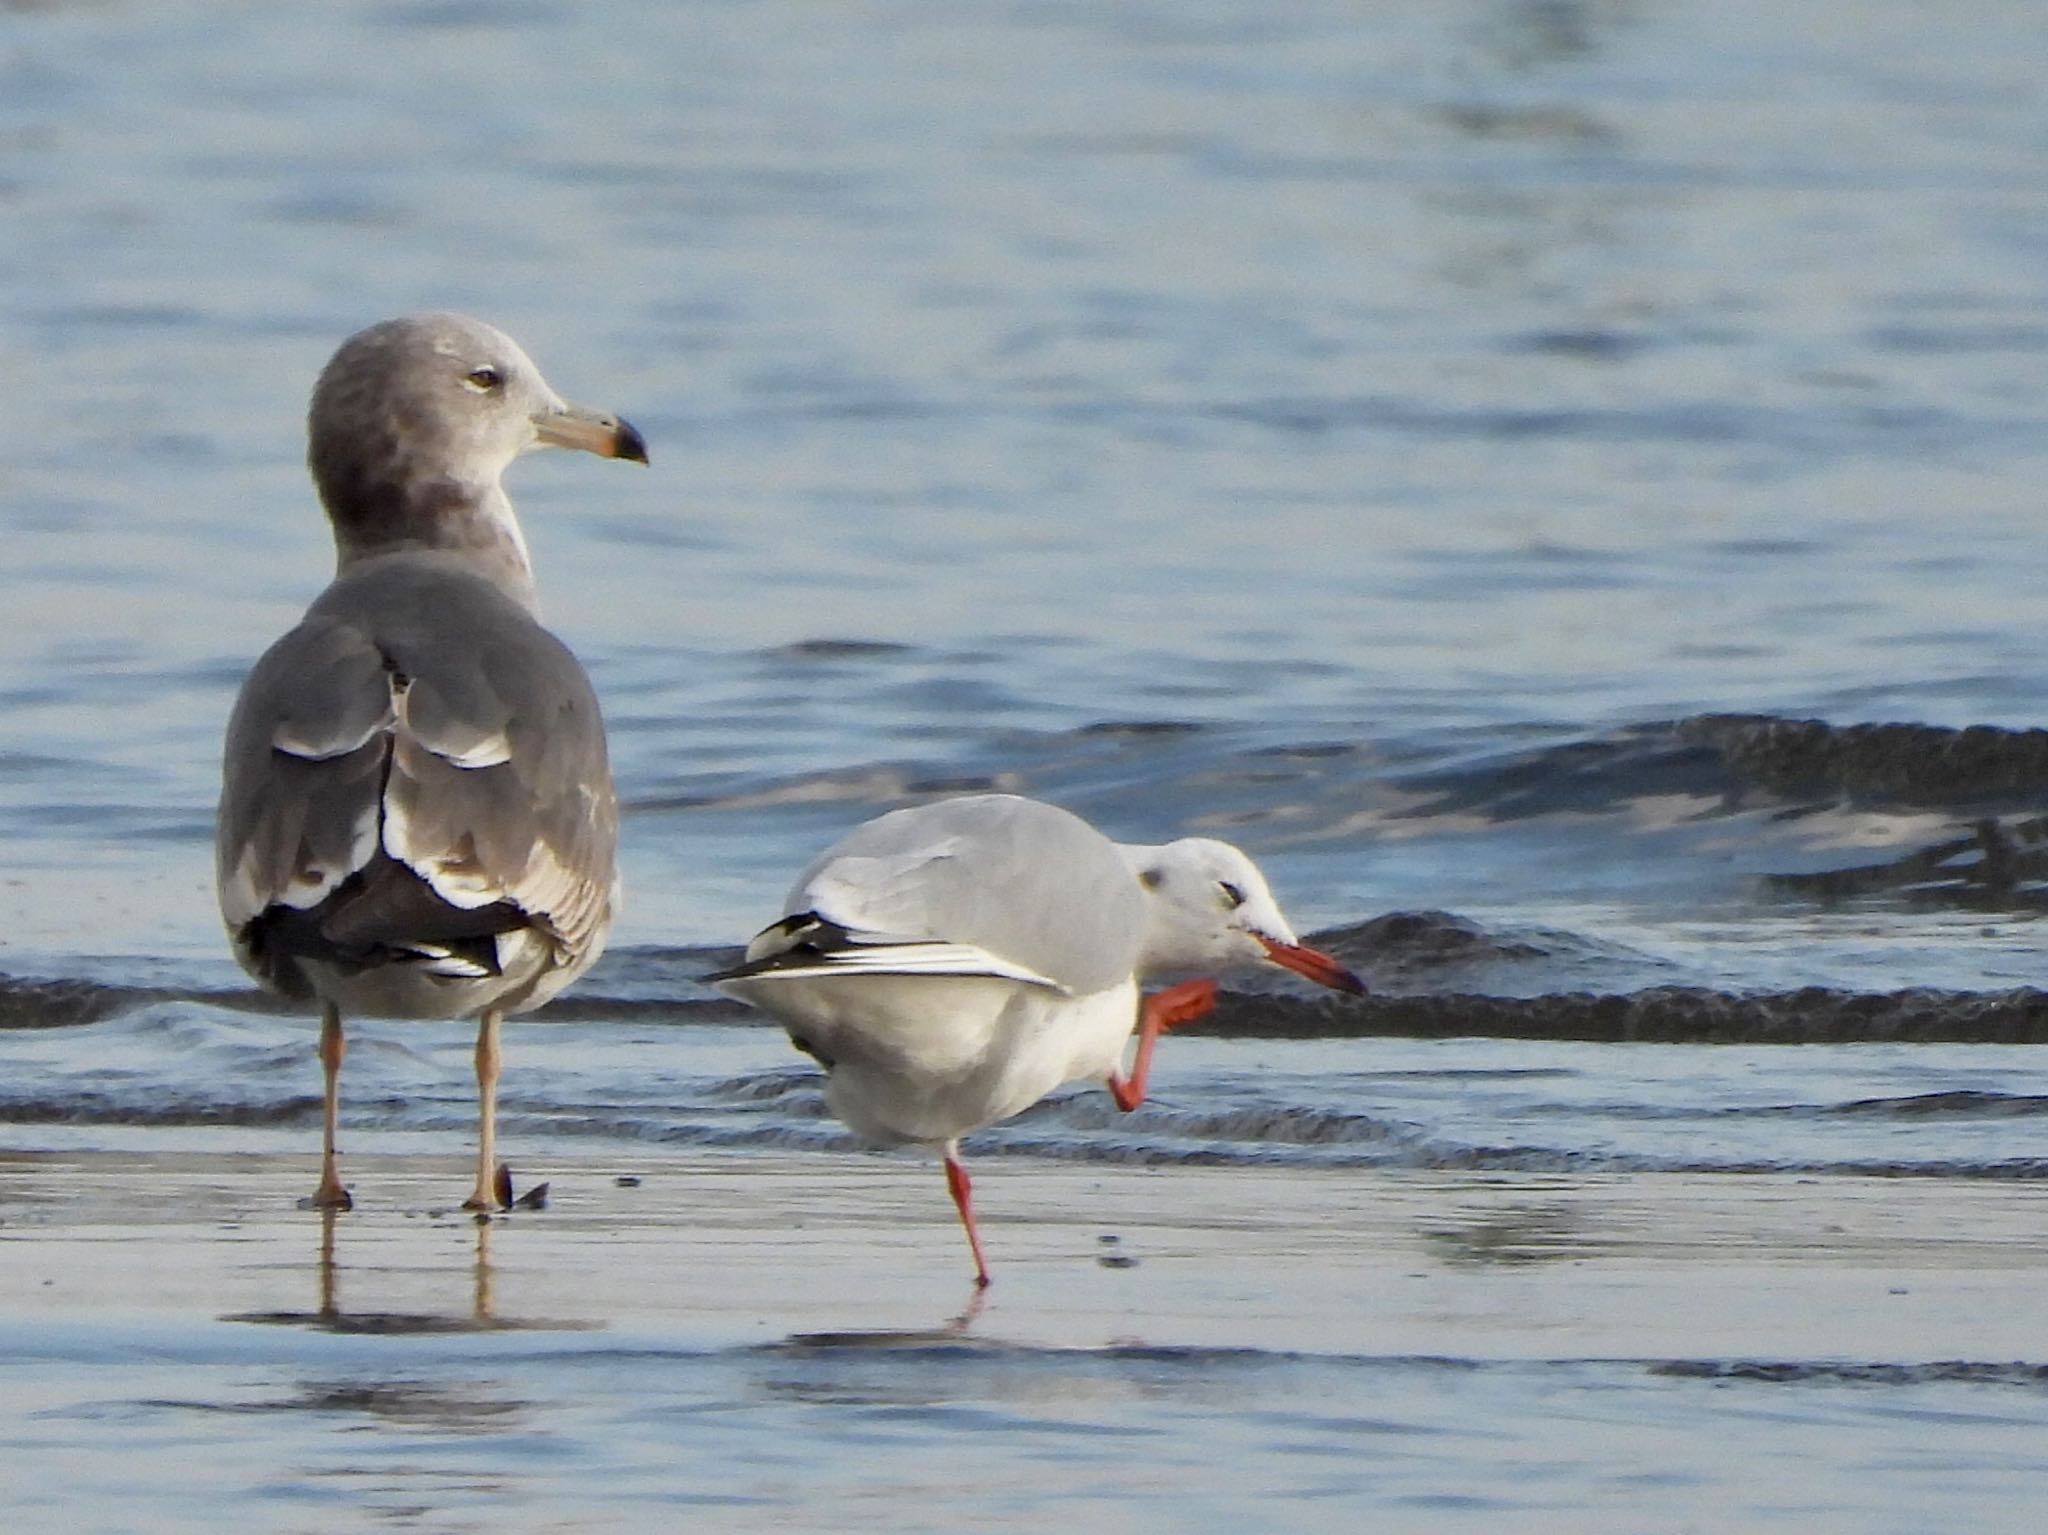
(721, 1250)
(790, 1341)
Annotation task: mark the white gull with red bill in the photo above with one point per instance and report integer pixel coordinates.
(952, 963)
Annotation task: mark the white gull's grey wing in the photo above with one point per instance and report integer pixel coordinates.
(421, 713)
(989, 884)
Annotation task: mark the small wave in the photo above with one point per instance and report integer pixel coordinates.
(1833, 1372)
(1233, 1141)
(588, 1007)
(766, 1086)
(1579, 776)
(1252, 1125)
(1962, 1104)
(1547, 1159)
(883, 786)
(1810, 1015)
(837, 650)
(148, 1108)
(789, 1132)
(1903, 764)
(1662, 1014)
(1726, 760)
(647, 984)
(1421, 941)
(1992, 864)
(1424, 951)
(66, 1003)
(1140, 729)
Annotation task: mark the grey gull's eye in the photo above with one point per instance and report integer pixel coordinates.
(484, 379)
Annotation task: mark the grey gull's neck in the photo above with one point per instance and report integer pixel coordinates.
(474, 522)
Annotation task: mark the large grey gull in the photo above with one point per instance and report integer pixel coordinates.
(416, 815)
(952, 963)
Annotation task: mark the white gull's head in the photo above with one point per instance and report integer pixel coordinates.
(1210, 906)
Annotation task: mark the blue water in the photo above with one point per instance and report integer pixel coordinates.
(1386, 437)
(640, 1436)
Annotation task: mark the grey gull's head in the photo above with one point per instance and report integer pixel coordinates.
(414, 420)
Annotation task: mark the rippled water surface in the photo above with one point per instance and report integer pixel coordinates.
(1558, 480)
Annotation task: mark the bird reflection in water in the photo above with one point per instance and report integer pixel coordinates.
(329, 1315)
(459, 1406)
(954, 1331)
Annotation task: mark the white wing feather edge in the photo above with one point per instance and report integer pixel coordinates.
(879, 955)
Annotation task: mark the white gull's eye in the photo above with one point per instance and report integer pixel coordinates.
(1233, 895)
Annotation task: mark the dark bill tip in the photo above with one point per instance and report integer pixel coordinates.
(1313, 964)
(629, 444)
(586, 431)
